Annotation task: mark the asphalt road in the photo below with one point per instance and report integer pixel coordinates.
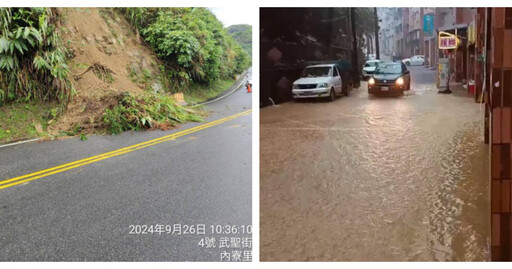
(375, 178)
(85, 213)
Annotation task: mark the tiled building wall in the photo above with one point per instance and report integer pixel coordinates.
(500, 57)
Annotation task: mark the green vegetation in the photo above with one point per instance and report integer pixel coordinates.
(25, 120)
(194, 95)
(147, 111)
(109, 16)
(141, 78)
(32, 58)
(192, 44)
(196, 55)
(242, 33)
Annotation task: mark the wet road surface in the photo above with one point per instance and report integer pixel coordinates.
(91, 213)
(375, 178)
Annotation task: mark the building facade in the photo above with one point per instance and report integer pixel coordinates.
(414, 31)
(493, 73)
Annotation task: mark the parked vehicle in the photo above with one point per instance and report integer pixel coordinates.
(390, 77)
(369, 68)
(415, 60)
(322, 80)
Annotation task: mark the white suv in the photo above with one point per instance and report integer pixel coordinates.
(323, 80)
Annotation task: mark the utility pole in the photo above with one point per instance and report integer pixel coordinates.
(372, 47)
(377, 49)
(354, 42)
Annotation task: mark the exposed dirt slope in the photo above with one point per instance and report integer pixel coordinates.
(108, 59)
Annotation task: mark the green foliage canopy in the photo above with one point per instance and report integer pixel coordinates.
(242, 33)
(191, 42)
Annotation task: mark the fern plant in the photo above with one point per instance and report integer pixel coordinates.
(32, 57)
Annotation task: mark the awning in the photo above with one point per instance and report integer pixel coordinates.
(453, 27)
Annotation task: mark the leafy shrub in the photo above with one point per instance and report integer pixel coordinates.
(32, 58)
(147, 111)
(191, 42)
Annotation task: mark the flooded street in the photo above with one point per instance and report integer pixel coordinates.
(375, 178)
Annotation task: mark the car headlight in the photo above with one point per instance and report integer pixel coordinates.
(400, 81)
(371, 81)
(321, 85)
(295, 86)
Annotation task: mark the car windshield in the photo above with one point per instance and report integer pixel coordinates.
(312, 72)
(369, 64)
(389, 69)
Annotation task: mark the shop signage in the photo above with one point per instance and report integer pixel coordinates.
(448, 41)
(428, 24)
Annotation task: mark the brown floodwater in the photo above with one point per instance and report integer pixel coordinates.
(375, 178)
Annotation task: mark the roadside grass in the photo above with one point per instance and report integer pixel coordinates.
(199, 93)
(20, 121)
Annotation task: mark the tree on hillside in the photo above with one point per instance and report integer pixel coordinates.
(191, 42)
(242, 33)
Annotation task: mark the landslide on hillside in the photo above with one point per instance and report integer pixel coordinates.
(107, 59)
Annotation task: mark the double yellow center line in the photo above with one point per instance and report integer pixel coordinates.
(68, 166)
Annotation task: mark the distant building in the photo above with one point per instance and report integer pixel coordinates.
(414, 37)
(408, 32)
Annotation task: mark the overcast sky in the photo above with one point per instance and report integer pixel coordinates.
(234, 15)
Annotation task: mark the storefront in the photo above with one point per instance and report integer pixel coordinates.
(457, 57)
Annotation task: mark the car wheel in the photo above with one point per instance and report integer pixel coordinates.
(408, 63)
(332, 95)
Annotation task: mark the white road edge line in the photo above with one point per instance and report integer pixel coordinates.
(19, 142)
